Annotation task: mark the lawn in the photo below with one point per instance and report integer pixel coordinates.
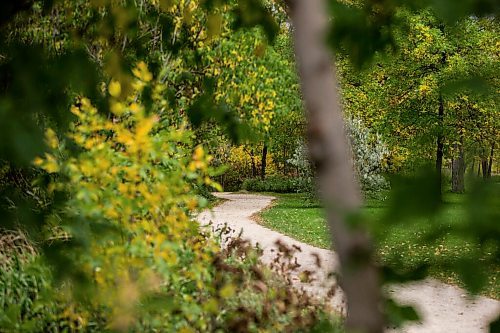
(400, 246)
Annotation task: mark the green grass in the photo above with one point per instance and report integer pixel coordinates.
(401, 246)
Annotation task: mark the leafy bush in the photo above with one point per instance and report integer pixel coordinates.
(205, 193)
(19, 293)
(132, 190)
(19, 290)
(279, 184)
(369, 152)
(264, 298)
(28, 302)
(300, 160)
(244, 296)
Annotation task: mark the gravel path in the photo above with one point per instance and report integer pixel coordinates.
(444, 308)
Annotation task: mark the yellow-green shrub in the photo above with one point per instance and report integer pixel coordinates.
(131, 192)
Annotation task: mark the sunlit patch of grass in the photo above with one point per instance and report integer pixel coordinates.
(401, 246)
(298, 217)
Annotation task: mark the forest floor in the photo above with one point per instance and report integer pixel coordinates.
(443, 307)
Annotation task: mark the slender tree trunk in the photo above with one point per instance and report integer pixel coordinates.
(472, 168)
(458, 170)
(490, 164)
(484, 167)
(439, 142)
(330, 153)
(479, 168)
(264, 162)
(254, 167)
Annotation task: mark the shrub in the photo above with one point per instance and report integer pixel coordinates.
(28, 302)
(238, 162)
(132, 190)
(264, 297)
(241, 297)
(300, 160)
(369, 152)
(205, 193)
(278, 184)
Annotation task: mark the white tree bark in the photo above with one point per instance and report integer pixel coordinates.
(330, 152)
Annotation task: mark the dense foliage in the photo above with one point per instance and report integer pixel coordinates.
(110, 208)
(119, 118)
(433, 99)
(279, 184)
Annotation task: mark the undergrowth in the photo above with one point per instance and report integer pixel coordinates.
(247, 297)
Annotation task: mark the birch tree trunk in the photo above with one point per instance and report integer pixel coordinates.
(330, 152)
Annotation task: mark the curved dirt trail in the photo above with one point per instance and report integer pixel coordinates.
(444, 308)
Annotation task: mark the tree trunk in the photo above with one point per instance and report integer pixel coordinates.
(490, 164)
(264, 162)
(484, 167)
(458, 170)
(330, 152)
(439, 142)
(479, 169)
(254, 167)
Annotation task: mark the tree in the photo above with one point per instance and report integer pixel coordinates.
(416, 97)
(259, 84)
(331, 157)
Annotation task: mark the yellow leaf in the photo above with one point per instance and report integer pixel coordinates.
(38, 161)
(198, 153)
(216, 186)
(51, 138)
(212, 306)
(142, 72)
(144, 126)
(115, 88)
(117, 108)
(50, 164)
(123, 188)
(135, 108)
(227, 291)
